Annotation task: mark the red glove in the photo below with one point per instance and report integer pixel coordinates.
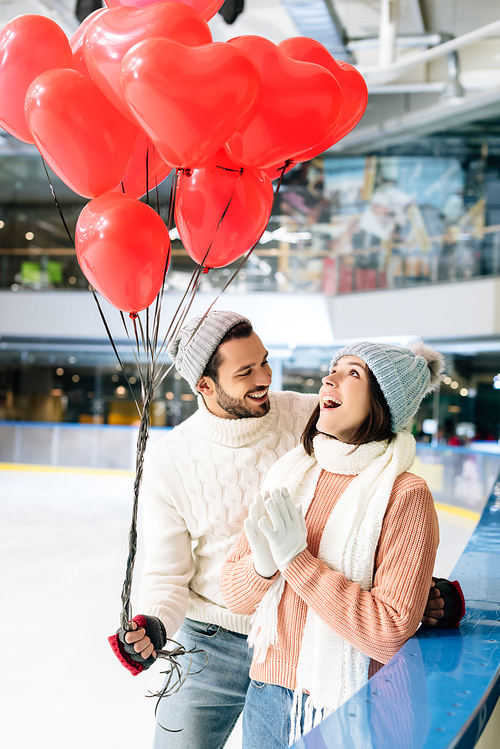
(125, 652)
(454, 603)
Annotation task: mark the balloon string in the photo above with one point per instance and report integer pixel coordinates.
(137, 361)
(57, 202)
(181, 312)
(126, 614)
(159, 297)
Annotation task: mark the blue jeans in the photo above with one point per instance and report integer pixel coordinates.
(266, 719)
(209, 703)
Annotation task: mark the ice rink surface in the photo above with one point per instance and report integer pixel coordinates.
(64, 544)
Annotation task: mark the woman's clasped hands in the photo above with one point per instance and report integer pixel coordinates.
(276, 531)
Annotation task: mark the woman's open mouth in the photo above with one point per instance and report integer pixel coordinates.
(329, 401)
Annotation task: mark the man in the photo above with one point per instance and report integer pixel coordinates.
(198, 483)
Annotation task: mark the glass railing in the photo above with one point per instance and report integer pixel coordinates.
(340, 225)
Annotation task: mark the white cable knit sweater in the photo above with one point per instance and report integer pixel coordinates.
(197, 485)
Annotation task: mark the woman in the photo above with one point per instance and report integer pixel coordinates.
(338, 592)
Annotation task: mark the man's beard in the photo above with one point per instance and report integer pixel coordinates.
(237, 406)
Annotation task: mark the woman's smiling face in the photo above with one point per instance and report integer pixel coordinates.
(344, 399)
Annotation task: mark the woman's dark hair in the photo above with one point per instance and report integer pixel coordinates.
(376, 426)
(240, 330)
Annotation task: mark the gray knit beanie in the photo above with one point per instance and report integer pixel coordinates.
(405, 375)
(195, 343)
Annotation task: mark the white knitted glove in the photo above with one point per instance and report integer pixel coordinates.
(288, 535)
(263, 561)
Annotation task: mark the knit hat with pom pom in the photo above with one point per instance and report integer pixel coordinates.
(405, 374)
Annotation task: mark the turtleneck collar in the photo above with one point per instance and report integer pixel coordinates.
(339, 457)
(234, 432)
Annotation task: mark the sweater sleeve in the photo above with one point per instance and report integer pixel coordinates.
(378, 622)
(169, 565)
(241, 586)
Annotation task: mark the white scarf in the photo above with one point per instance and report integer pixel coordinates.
(330, 668)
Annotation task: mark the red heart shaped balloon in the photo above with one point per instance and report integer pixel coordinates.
(123, 248)
(299, 106)
(80, 134)
(206, 8)
(221, 210)
(146, 170)
(189, 100)
(115, 31)
(352, 83)
(29, 45)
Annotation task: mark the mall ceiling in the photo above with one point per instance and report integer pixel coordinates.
(430, 65)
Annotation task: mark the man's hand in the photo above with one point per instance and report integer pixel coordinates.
(140, 642)
(136, 648)
(434, 610)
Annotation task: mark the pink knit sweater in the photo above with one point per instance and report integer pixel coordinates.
(377, 622)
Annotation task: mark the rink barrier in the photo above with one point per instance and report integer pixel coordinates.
(71, 445)
(441, 690)
(456, 476)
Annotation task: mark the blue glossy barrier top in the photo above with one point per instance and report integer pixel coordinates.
(440, 689)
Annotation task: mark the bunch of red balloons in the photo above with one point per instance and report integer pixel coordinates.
(144, 83)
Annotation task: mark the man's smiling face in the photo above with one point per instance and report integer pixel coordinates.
(244, 377)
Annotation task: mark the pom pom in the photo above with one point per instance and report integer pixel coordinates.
(435, 362)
